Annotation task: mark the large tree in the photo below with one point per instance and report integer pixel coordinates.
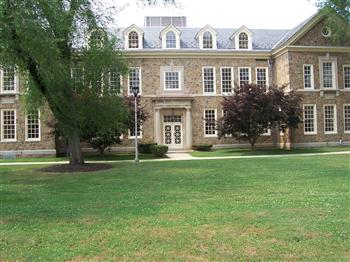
(67, 54)
(337, 14)
(253, 109)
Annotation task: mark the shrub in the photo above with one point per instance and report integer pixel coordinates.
(159, 150)
(202, 147)
(145, 148)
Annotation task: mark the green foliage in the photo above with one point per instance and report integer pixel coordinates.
(145, 148)
(104, 140)
(202, 147)
(159, 150)
(337, 17)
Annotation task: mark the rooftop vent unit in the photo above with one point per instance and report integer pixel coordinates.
(178, 21)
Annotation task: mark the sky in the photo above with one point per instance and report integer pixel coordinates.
(255, 14)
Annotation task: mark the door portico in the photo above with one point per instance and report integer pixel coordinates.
(173, 122)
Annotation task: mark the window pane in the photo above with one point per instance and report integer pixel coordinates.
(133, 39)
(8, 78)
(207, 40)
(307, 76)
(33, 125)
(329, 118)
(210, 122)
(243, 41)
(261, 76)
(244, 76)
(114, 81)
(172, 80)
(347, 118)
(346, 76)
(8, 125)
(309, 119)
(170, 40)
(134, 79)
(327, 75)
(226, 80)
(208, 79)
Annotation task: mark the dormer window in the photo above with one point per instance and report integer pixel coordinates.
(170, 40)
(207, 40)
(243, 38)
(170, 37)
(133, 40)
(133, 37)
(243, 41)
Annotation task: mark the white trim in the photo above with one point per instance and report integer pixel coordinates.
(200, 34)
(204, 121)
(177, 33)
(2, 125)
(232, 80)
(333, 61)
(268, 133)
(266, 72)
(164, 80)
(126, 33)
(346, 88)
(133, 137)
(345, 132)
(236, 37)
(315, 119)
(15, 84)
(26, 128)
(214, 80)
(249, 73)
(140, 80)
(335, 122)
(312, 76)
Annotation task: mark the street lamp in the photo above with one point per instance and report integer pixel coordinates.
(135, 91)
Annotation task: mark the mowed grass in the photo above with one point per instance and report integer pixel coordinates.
(267, 151)
(284, 209)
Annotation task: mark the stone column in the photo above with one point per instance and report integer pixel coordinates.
(188, 133)
(157, 127)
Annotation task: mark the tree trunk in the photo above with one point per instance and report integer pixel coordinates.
(75, 154)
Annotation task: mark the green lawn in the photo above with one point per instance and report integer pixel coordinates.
(285, 209)
(88, 156)
(271, 151)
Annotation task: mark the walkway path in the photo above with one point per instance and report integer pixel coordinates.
(184, 156)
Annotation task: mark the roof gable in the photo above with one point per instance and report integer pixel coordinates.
(205, 29)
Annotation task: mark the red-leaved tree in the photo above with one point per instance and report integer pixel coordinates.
(252, 109)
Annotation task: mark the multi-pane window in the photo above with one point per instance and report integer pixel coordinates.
(244, 76)
(346, 72)
(209, 79)
(33, 125)
(327, 75)
(308, 77)
(243, 40)
(207, 40)
(170, 40)
(8, 79)
(172, 80)
(133, 39)
(134, 79)
(310, 119)
(210, 122)
(8, 125)
(330, 119)
(78, 76)
(132, 132)
(347, 118)
(114, 81)
(261, 76)
(226, 80)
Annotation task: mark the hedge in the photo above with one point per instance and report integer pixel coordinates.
(202, 147)
(159, 150)
(145, 148)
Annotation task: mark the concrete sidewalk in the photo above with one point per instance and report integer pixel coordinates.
(184, 156)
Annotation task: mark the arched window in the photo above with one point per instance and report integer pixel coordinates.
(207, 40)
(170, 40)
(243, 41)
(133, 39)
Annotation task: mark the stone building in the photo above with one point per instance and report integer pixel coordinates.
(183, 74)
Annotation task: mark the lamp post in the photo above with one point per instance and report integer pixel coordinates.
(135, 92)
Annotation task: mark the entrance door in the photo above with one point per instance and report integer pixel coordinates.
(173, 132)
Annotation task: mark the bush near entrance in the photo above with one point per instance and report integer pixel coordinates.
(202, 147)
(159, 150)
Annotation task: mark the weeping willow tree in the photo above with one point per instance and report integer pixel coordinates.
(65, 50)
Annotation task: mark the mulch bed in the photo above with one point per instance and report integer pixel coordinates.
(66, 168)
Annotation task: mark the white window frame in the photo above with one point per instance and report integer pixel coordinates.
(26, 129)
(232, 80)
(311, 75)
(335, 122)
(214, 80)
(140, 76)
(216, 117)
(133, 137)
(346, 131)
(333, 61)
(2, 125)
(268, 133)
(16, 79)
(346, 88)
(249, 73)
(266, 72)
(315, 120)
(120, 82)
(177, 35)
(180, 80)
